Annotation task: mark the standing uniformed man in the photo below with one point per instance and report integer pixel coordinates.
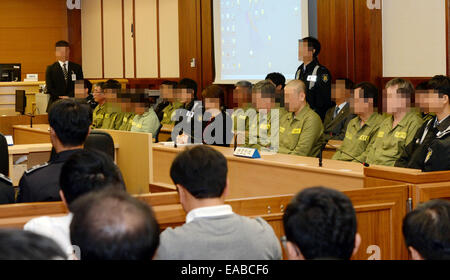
(301, 127)
(316, 77)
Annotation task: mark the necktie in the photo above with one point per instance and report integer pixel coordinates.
(66, 73)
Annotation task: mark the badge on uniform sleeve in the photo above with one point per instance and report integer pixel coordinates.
(429, 154)
(325, 78)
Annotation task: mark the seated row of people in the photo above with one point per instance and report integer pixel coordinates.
(105, 223)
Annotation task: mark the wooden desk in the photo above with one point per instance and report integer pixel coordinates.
(273, 174)
(7, 122)
(331, 148)
(24, 134)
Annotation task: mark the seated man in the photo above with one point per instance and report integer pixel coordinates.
(212, 231)
(362, 128)
(183, 97)
(398, 130)
(22, 245)
(263, 129)
(167, 89)
(426, 231)
(145, 119)
(100, 109)
(337, 117)
(242, 96)
(84, 172)
(320, 223)
(436, 100)
(112, 108)
(69, 127)
(301, 127)
(112, 225)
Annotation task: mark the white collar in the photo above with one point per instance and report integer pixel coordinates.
(342, 105)
(206, 212)
(436, 122)
(63, 62)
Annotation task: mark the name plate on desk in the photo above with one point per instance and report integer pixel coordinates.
(246, 152)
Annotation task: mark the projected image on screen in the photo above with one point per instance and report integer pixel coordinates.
(256, 37)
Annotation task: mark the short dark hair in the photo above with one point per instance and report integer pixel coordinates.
(427, 229)
(422, 86)
(266, 88)
(18, 244)
(112, 225)
(244, 84)
(369, 91)
(314, 44)
(188, 84)
(170, 83)
(87, 171)
(70, 120)
(214, 91)
(322, 223)
(62, 43)
(438, 81)
(404, 87)
(88, 85)
(201, 170)
(111, 84)
(277, 78)
(348, 83)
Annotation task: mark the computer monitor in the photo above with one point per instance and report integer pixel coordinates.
(10, 72)
(21, 101)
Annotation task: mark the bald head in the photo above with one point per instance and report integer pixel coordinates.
(112, 225)
(295, 95)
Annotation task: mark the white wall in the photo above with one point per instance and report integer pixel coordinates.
(414, 38)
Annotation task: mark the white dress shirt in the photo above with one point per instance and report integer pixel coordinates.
(206, 212)
(56, 228)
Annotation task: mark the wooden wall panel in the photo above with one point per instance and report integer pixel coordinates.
(29, 31)
(74, 31)
(112, 38)
(128, 39)
(168, 39)
(91, 28)
(146, 39)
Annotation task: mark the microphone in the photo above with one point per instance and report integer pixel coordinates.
(320, 154)
(235, 141)
(363, 163)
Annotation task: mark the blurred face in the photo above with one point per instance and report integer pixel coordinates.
(98, 94)
(421, 98)
(261, 101)
(111, 95)
(140, 108)
(395, 102)
(212, 103)
(80, 91)
(435, 103)
(241, 96)
(339, 93)
(62, 53)
(294, 98)
(305, 52)
(361, 105)
(166, 92)
(185, 95)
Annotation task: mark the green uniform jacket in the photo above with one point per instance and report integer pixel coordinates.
(357, 138)
(98, 116)
(388, 145)
(109, 120)
(147, 122)
(259, 134)
(300, 133)
(127, 121)
(169, 110)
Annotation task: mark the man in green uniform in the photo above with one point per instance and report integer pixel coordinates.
(301, 127)
(397, 130)
(362, 128)
(242, 96)
(145, 119)
(99, 111)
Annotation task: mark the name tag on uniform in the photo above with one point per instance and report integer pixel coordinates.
(312, 78)
(74, 77)
(363, 138)
(282, 129)
(401, 135)
(296, 131)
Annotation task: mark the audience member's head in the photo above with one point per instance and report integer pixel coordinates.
(214, 98)
(308, 49)
(18, 244)
(62, 51)
(263, 95)
(295, 96)
(365, 98)
(242, 93)
(320, 223)
(341, 91)
(86, 171)
(427, 231)
(200, 174)
(398, 95)
(69, 124)
(112, 225)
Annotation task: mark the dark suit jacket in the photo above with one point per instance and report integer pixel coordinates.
(335, 128)
(56, 84)
(6, 190)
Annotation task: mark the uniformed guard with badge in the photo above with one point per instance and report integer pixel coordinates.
(364, 127)
(316, 77)
(69, 126)
(301, 127)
